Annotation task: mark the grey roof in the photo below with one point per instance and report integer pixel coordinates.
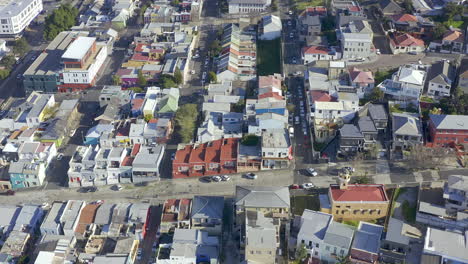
(314, 224)
(275, 139)
(459, 122)
(367, 237)
(441, 72)
(389, 6)
(447, 243)
(8, 215)
(395, 232)
(339, 235)
(377, 112)
(137, 212)
(350, 131)
(148, 157)
(406, 124)
(247, 1)
(459, 182)
(27, 215)
(343, 19)
(104, 214)
(207, 207)
(53, 217)
(118, 259)
(262, 196)
(71, 213)
(366, 125)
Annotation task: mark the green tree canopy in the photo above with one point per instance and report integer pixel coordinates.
(167, 81)
(8, 61)
(185, 120)
(148, 117)
(178, 78)
(116, 80)
(439, 30)
(141, 81)
(61, 19)
(451, 9)
(250, 140)
(212, 77)
(21, 47)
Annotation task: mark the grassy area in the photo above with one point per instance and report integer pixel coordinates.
(426, 99)
(380, 76)
(409, 212)
(299, 203)
(268, 57)
(354, 223)
(455, 24)
(301, 5)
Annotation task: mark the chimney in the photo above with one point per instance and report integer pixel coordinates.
(344, 180)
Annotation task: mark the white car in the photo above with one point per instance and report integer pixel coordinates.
(203, 75)
(251, 176)
(290, 12)
(140, 251)
(216, 178)
(307, 186)
(225, 178)
(59, 156)
(192, 72)
(72, 133)
(312, 172)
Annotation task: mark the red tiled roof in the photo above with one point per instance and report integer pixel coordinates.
(454, 35)
(197, 154)
(169, 217)
(135, 150)
(315, 50)
(153, 121)
(183, 155)
(267, 81)
(321, 96)
(229, 148)
(212, 151)
(139, 57)
(271, 94)
(405, 18)
(359, 192)
(124, 71)
(316, 10)
(123, 131)
(359, 76)
(354, 8)
(128, 161)
(137, 103)
(86, 217)
(406, 40)
(142, 47)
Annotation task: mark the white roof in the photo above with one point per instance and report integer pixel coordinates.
(78, 48)
(45, 257)
(329, 105)
(409, 75)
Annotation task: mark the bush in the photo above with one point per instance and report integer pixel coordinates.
(167, 81)
(249, 140)
(212, 76)
(4, 73)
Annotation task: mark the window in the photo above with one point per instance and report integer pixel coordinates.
(316, 245)
(327, 248)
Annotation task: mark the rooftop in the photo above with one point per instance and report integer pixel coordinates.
(207, 207)
(78, 48)
(262, 196)
(367, 237)
(359, 193)
(447, 244)
(458, 122)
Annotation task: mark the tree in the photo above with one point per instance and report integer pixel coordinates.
(136, 89)
(21, 47)
(422, 157)
(178, 78)
(451, 10)
(185, 122)
(439, 30)
(4, 73)
(249, 140)
(60, 20)
(148, 117)
(175, 3)
(215, 48)
(141, 81)
(301, 253)
(212, 77)
(274, 6)
(238, 107)
(291, 108)
(408, 6)
(8, 61)
(167, 81)
(116, 80)
(376, 95)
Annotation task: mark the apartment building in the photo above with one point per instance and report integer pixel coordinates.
(445, 246)
(445, 130)
(276, 149)
(248, 6)
(355, 201)
(81, 62)
(456, 193)
(16, 15)
(356, 39)
(262, 240)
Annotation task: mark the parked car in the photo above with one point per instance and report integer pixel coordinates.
(294, 61)
(312, 172)
(412, 53)
(59, 156)
(7, 192)
(294, 186)
(18, 76)
(192, 72)
(139, 253)
(359, 59)
(225, 178)
(251, 176)
(350, 169)
(72, 133)
(289, 23)
(307, 186)
(116, 187)
(173, 156)
(290, 12)
(206, 179)
(216, 178)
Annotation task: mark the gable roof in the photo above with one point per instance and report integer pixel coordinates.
(454, 35)
(359, 193)
(359, 76)
(367, 237)
(441, 72)
(405, 18)
(389, 6)
(262, 196)
(314, 224)
(406, 40)
(339, 235)
(350, 131)
(316, 50)
(459, 122)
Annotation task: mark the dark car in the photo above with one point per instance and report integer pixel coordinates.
(8, 193)
(206, 179)
(87, 189)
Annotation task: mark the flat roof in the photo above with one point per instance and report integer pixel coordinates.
(11, 8)
(78, 48)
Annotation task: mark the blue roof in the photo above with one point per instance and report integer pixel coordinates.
(367, 238)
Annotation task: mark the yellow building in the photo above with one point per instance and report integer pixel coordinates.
(355, 201)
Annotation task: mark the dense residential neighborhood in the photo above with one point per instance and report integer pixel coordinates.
(234, 131)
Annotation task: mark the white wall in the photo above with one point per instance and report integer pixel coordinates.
(16, 24)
